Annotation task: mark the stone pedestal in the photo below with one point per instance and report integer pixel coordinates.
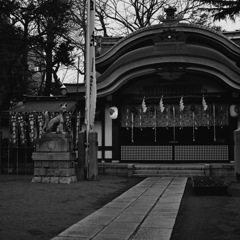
(54, 159)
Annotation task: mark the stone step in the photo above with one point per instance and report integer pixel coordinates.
(166, 175)
(156, 171)
(169, 167)
(168, 172)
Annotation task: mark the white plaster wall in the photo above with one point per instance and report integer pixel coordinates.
(108, 127)
(99, 154)
(108, 154)
(98, 128)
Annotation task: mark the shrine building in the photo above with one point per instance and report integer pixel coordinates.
(167, 93)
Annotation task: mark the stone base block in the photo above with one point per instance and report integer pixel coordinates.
(36, 180)
(54, 179)
(50, 142)
(54, 172)
(67, 180)
(54, 164)
(54, 159)
(53, 156)
(45, 179)
(61, 180)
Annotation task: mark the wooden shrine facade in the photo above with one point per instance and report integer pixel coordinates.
(175, 132)
(173, 86)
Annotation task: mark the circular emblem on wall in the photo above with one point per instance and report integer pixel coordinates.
(113, 111)
(233, 110)
(51, 145)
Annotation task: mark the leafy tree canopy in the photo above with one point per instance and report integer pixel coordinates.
(11, 77)
(45, 26)
(222, 9)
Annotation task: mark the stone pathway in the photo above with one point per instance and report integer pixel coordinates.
(145, 212)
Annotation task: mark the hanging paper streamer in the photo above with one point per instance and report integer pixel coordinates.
(174, 123)
(68, 120)
(214, 123)
(167, 121)
(182, 118)
(208, 120)
(40, 124)
(132, 119)
(155, 124)
(140, 119)
(193, 116)
(181, 104)
(193, 121)
(127, 119)
(22, 129)
(78, 125)
(181, 108)
(180, 121)
(31, 118)
(205, 108)
(204, 104)
(144, 107)
(161, 105)
(221, 123)
(13, 128)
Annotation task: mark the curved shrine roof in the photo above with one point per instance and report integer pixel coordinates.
(192, 47)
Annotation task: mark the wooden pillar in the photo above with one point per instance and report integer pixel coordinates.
(81, 155)
(237, 154)
(116, 154)
(0, 152)
(93, 163)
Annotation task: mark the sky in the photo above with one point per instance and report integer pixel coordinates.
(229, 25)
(70, 76)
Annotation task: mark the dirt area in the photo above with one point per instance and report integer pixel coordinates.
(33, 211)
(209, 217)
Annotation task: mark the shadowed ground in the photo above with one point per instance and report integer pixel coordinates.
(32, 211)
(41, 211)
(208, 217)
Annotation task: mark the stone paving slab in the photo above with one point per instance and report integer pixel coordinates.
(136, 217)
(137, 209)
(104, 236)
(156, 221)
(152, 233)
(145, 212)
(82, 230)
(70, 238)
(166, 214)
(121, 228)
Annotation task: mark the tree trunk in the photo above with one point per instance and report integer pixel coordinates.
(48, 81)
(49, 60)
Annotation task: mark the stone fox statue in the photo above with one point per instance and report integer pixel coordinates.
(58, 123)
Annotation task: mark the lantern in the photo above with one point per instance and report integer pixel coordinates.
(113, 111)
(233, 110)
